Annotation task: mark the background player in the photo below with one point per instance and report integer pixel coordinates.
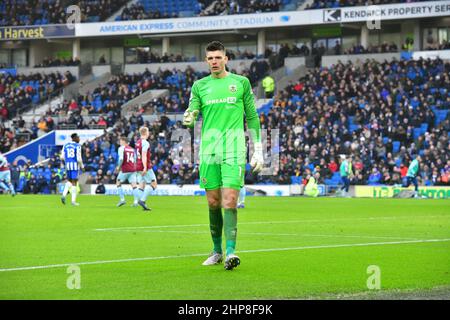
(127, 170)
(5, 176)
(346, 173)
(223, 98)
(411, 175)
(71, 155)
(145, 175)
(241, 200)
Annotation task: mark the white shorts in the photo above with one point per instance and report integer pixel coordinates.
(148, 178)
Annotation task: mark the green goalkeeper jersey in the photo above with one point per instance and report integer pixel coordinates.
(223, 103)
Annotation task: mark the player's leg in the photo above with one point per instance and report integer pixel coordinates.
(407, 182)
(9, 185)
(229, 203)
(133, 181)
(416, 186)
(3, 180)
(215, 226)
(73, 191)
(121, 177)
(233, 180)
(3, 185)
(347, 185)
(67, 187)
(141, 184)
(150, 180)
(344, 187)
(210, 180)
(141, 190)
(241, 201)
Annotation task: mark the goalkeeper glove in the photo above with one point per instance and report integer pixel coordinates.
(257, 161)
(189, 118)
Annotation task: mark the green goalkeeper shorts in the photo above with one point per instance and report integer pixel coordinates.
(216, 173)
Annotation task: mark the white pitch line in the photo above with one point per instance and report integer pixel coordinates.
(206, 254)
(279, 234)
(267, 222)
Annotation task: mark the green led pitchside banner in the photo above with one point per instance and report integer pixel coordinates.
(389, 191)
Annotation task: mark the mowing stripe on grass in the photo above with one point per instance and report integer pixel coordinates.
(275, 234)
(270, 222)
(206, 254)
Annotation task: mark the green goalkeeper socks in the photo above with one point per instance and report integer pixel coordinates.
(230, 221)
(215, 226)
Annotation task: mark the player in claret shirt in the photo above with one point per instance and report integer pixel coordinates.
(145, 175)
(5, 176)
(127, 170)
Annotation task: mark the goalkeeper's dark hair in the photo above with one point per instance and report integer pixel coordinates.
(215, 46)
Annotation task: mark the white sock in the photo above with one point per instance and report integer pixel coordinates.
(73, 191)
(146, 193)
(136, 195)
(66, 188)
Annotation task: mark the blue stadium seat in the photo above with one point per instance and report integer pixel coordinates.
(353, 127)
(423, 128)
(395, 146)
(416, 133)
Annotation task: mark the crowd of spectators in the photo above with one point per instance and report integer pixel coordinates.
(21, 133)
(380, 113)
(144, 56)
(18, 92)
(38, 12)
(136, 11)
(104, 102)
(359, 49)
(109, 97)
(445, 45)
(226, 7)
(58, 62)
(98, 10)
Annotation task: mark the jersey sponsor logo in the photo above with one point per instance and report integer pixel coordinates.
(223, 100)
(231, 100)
(232, 88)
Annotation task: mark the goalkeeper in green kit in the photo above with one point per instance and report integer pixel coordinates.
(223, 98)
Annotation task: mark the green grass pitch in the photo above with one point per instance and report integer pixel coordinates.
(290, 248)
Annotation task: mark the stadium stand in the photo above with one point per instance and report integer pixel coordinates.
(125, 87)
(38, 12)
(402, 109)
(20, 91)
(224, 7)
(58, 62)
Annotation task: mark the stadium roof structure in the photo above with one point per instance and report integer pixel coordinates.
(175, 26)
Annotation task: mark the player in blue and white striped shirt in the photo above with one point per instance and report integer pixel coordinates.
(71, 154)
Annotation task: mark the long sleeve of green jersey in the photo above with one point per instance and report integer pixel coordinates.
(194, 100)
(251, 115)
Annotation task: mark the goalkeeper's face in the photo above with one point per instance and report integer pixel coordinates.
(217, 61)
